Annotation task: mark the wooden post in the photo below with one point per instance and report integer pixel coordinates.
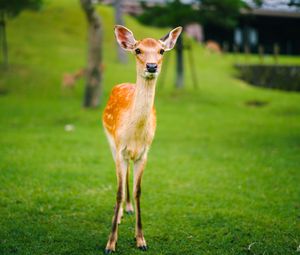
(164, 73)
(225, 47)
(192, 66)
(261, 53)
(246, 51)
(179, 63)
(236, 52)
(276, 51)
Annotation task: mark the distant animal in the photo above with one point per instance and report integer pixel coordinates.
(213, 47)
(69, 79)
(129, 122)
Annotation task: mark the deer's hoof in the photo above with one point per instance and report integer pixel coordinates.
(108, 251)
(143, 248)
(129, 208)
(129, 212)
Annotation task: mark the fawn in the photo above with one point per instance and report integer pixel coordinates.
(129, 122)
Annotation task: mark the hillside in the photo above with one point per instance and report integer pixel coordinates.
(223, 172)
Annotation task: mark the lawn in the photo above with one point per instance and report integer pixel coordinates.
(223, 172)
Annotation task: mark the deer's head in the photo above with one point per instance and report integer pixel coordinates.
(148, 52)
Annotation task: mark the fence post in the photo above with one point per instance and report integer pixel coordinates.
(236, 52)
(261, 53)
(246, 51)
(225, 47)
(276, 51)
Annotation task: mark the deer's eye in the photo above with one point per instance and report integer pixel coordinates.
(138, 51)
(161, 52)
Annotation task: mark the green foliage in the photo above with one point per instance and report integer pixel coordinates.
(14, 7)
(174, 13)
(222, 175)
(295, 3)
(223, 13)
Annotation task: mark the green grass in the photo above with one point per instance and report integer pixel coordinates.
(222, 175)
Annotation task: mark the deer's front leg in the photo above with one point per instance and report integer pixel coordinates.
(121, 167)
(139, 166)
(129, 207)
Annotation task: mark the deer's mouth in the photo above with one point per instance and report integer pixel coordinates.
(150, 75)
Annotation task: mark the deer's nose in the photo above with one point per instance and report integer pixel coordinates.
(151, 67)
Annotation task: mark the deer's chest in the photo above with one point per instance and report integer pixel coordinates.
(137, 138)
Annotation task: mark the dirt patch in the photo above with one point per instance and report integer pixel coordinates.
(256, 103)
(3, 91)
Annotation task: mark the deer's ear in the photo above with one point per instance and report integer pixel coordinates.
(125, 38)
(169, 40)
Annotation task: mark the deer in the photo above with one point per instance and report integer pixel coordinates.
(129, 121)
(213, 47)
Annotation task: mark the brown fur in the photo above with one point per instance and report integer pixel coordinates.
(213, 47)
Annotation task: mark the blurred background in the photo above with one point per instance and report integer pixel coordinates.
(223, 171)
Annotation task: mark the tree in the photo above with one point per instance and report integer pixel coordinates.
(122, 57)
(223, 13)
(173, 14)
(295, 3)
(93, 70)
(12, 8)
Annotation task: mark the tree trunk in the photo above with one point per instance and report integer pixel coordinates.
(122, 57)
(3, 39)
(93, 70)
(179, 64)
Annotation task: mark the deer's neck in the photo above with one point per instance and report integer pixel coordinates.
(143, 99)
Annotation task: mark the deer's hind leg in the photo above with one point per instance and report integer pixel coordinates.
(121, 168)
(129, 207)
